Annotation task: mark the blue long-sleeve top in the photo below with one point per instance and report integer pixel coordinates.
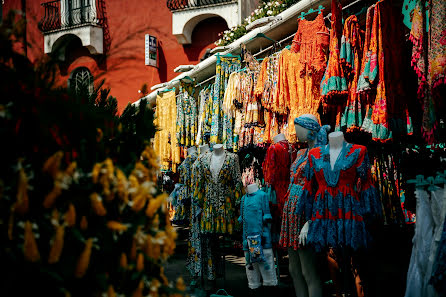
(254, 215)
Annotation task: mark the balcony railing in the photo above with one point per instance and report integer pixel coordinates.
(183, 4)
(71, 13)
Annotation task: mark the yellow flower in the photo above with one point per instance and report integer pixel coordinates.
(52, 165)
(116, 226)
(111, 291)
(30, 249)
(99, 135)
(84, 259)
(96, 203)
(71, 168)
(22, 203)
(122, 185)
(163, 276)
(95, 172)
(123, 262)
(70, 216)
(138, 291)
(139, 201)
(51, 197)
(154, 204)
(140, 262)
(57, 246)
(84, 223)
(180, 284)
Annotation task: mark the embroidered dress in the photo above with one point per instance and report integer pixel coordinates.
(204, 116)
(388, 112)
(183, 204)
(334, 83)
(165, 143)
(187, 125)
(338, 200)
(351, 48)
(218, 196)
(222, 123)
(291, 221)
(428, 60)
(300, 72)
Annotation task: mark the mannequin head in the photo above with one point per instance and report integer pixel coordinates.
(309, 130)
(301, 132)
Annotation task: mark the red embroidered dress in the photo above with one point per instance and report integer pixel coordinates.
(337, 200)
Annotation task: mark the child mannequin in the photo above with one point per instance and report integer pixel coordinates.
(255, 216)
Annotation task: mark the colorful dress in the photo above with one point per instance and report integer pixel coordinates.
(334, 83)
(204, 116)
(351, 49)
(388, 113)
(222, 123)
(338, 200)
(185, 193)
(187, 117)
(429, 60)
(218, 196)
(291, 221)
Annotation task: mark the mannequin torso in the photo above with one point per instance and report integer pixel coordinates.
(252, 188)
(279, 137)
(204, 148)
(335, 140)
(192, 150)
(217, 159)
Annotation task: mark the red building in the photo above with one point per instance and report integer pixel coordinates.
(105, 39)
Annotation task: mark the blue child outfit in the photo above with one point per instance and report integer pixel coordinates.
(254, 216)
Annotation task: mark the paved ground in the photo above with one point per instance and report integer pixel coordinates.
(386, 268)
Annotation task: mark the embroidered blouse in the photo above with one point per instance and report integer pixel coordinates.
(338, 200)
(218, 196)
(254, 215)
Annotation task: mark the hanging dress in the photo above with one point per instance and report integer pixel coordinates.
(300, 72)
(183, 203)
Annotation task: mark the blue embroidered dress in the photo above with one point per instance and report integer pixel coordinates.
(338, 200)
(254, 214)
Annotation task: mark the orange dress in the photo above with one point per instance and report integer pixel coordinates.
(300, 72)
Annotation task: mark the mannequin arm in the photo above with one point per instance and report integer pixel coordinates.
(304, 233)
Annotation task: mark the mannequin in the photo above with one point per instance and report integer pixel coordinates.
(335, 139)
(217, 159)
(204, 148)
(279, 137)
(252, 188)
(302, 262)
(192, 150)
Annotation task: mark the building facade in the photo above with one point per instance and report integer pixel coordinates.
(93, 40)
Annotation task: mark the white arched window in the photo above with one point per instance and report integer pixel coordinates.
(81, 79)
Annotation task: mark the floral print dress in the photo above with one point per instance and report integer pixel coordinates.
(292, 222)
(183, 203)
(218, 196)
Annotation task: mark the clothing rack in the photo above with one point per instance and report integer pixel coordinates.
(280, 41)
